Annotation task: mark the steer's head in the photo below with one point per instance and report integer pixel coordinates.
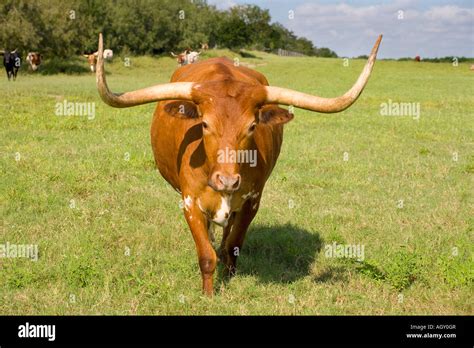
(181, 58)
(92, 59)
(230, 112)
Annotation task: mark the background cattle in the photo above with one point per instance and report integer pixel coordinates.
(11, 62)
(108, 54)
(186, 57)
(34, 60)
(92, 58)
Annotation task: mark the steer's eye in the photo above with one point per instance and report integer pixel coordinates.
(252, 127)
(205, 125)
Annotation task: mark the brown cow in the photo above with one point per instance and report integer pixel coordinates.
(92, 58)
(34, 60)
(213, 107)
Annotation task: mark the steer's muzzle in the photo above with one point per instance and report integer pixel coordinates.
(223, 182)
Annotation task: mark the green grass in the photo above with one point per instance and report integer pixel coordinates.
(126, 249)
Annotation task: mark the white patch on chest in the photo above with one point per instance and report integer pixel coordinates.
(187, 202)
(222, 214)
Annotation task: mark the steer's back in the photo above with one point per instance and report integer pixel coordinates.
(217, 69)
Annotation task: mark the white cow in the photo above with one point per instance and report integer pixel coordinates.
(108, 54)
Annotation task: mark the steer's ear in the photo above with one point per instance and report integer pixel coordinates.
(272, 114)
(182, 109)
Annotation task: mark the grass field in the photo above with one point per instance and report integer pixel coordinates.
(112, 238)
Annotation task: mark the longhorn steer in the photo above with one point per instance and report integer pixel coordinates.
(215, 106)
(92, 58)
(186, 57)
(11, 62)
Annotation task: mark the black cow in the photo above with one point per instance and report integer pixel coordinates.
(12, 62)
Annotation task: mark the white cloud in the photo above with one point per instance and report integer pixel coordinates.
(452, 14)
(351, 30)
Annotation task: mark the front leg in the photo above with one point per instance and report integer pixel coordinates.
(197, 222)
(232, 242)
(226, 231)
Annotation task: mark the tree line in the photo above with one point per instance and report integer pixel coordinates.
(66, 27)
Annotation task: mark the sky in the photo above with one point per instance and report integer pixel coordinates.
(435, 28)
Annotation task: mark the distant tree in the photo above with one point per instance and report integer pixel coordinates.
(303, 46)
(17, 30)
(257, 22)
(325, 52)
(233, 31)
(281, 37)
(62, 28)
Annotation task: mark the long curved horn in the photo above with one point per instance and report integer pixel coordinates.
(277, 95)
(166, 91)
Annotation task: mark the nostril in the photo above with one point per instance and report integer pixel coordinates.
(236, 184)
